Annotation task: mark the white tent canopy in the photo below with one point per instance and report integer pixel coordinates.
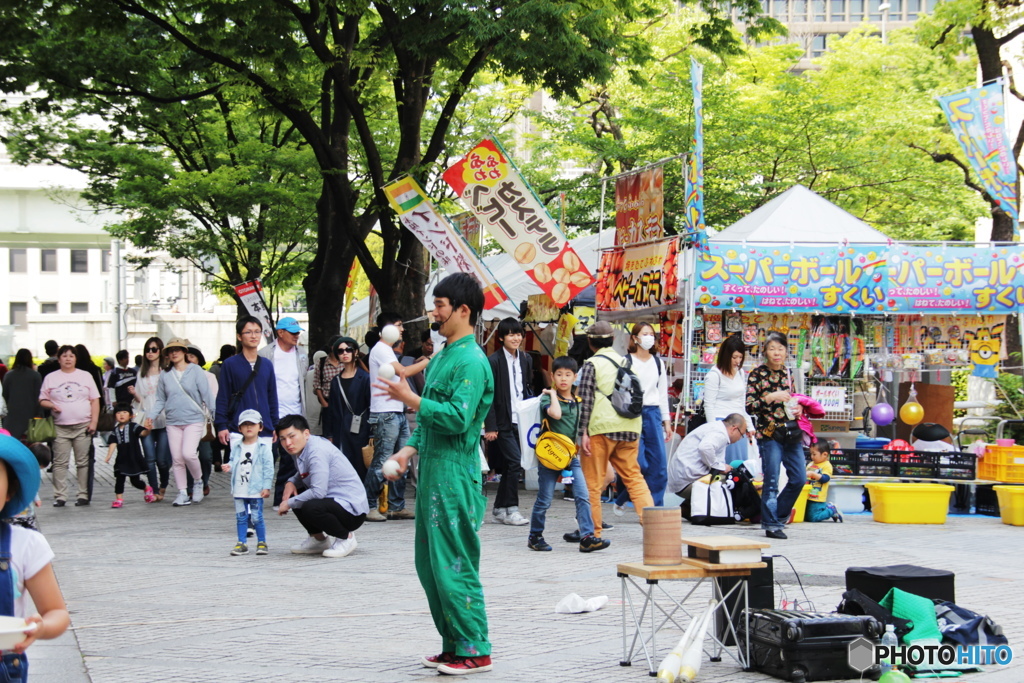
(801, 216)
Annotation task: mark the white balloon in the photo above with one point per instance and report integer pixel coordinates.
(390, 334)
(390, 468)
(386, 371)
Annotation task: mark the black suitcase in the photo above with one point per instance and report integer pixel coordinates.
(875, 582)
(806, 646)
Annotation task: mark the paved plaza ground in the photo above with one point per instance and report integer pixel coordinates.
(154, 595)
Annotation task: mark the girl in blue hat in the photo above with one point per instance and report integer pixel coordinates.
(25, 561)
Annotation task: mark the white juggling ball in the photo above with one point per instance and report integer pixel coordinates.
(390, 468)
(386, 371)
(390, 334)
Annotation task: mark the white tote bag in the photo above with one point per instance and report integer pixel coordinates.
(529, 430)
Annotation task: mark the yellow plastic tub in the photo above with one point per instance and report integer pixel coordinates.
(909, 503)
(1011, 504)
(800, 506)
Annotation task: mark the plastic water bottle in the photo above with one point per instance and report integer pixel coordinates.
(889, 640)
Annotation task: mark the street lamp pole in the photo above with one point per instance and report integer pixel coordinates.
(884, 9)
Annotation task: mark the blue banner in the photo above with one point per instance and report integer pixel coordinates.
(862, 278)
(978, 119)
(694, 182)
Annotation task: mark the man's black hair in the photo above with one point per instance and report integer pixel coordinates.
(122, 355)
(245, 320)
(601, 342)
(387, 318)
(51, 347)
(371, 338)
(565, 363)
(462, 289)
(508, 326)
(123, 408)
(288, 421)
(138, 360)
(424, 336)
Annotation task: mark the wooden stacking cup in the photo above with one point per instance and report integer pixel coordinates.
(663, 533)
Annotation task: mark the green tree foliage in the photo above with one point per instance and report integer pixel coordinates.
(371, 88)
(845, 130)
(214, 180)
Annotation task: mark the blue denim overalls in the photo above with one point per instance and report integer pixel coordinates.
(13, 667)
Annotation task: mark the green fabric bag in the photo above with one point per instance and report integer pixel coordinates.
(40, 429)
(920, 611)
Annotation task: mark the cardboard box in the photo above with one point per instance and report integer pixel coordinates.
(830, 426)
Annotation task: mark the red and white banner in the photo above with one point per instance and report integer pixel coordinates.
(640, 207)
(251, 295)
(493, 189)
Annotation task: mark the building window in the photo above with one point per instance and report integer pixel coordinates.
(49, 307)
(79, 261)
(79, 306)
(818, 7)
(838, 10)
(48, 260)
(856, 10)
(18, 260)
(817, 45)
(799, 10)
(19, 315)
(781, 10)
(913, 7)
(104, 261)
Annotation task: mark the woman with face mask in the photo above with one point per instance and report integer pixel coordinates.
(651, 371)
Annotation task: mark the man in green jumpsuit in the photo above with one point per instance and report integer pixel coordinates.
(457, 394)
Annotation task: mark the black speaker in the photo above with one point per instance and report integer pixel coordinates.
(875, 582)
(761, 587)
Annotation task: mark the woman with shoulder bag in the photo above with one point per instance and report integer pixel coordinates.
(725, 393)
(195, 356)
(184, 395)
(769, 389)
(348, 406)
(158, 455)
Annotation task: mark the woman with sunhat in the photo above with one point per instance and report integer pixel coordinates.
(30, 571)
(184, 396)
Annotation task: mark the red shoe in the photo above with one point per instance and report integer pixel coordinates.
(466, 665)
(149, 497)
(117, 504)
(432, 661)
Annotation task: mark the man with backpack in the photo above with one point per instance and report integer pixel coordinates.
(610, 422)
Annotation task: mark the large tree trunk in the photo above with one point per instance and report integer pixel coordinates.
(327, 275)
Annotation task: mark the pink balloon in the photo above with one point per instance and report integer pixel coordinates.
(882, 414)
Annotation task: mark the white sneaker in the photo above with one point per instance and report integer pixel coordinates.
(499, 515)
(182, 499)
(341, 547)
(619, 510)
(513, 518)
(312, 546)
(197, 492)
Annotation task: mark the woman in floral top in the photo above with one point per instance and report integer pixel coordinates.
(768, 388)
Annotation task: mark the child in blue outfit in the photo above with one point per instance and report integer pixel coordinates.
(253, 464)
(561, 409)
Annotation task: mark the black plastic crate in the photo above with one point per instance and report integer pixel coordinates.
(954, 466)
(986, 501)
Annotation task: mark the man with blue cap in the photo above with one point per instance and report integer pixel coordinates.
(290, 364)
(25, 561)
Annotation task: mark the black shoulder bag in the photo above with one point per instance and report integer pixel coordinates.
(237, 396)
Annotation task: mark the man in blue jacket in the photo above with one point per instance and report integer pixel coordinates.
(247, 382)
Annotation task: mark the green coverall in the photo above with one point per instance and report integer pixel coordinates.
(457, 394)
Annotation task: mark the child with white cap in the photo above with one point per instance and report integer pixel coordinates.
(253, 464)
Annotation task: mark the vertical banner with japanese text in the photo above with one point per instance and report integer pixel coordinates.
(693, 211)
(490, 184)
(638, 278)
(250, 293)
(978, 119)
(467, 224)
(640, 207)
(448, 247)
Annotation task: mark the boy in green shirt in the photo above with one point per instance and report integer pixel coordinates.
(562, 411)
(457, 393)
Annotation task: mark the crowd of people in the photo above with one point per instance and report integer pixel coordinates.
(334, 439)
